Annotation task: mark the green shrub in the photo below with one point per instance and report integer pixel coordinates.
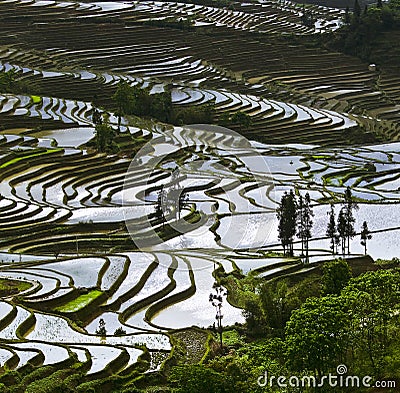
(336, 275)
(10, 378)
(39, 373)
(199, 379)
(54, 383)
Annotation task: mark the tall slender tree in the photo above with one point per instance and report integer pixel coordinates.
(123, 98)
(287, 216)
(357, 9)
(365, 236)
(304, 222)
(331, 230)
(341, 228)
(349, 206)
(216, 299)
(307, 222)
(300, 222)
(281, 215)
(347, 16)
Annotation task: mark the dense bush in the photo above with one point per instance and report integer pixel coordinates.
(10, 84)
(357, 36)
(133, 100)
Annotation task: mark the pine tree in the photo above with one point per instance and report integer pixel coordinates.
(331, 230)
(96, 117)
(308, 223)
(365, 235)
(347, 16)
(304, 222)
(300, 223)
(291, 207)
(379, 4)
(357, 9)
(341, 228)
(281, 215)
(101, 331)
(349, 206)
(287, 216)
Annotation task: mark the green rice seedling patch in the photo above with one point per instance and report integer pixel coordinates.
(17, 159)
(79, 302)
(36, 99)
(12, 287)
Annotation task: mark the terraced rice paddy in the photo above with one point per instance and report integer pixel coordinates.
(78, 227)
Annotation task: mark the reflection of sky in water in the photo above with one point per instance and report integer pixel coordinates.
(247, 230)
(72, 137)
(378, 217)
(384, 245)
(268, 164)
(197, 310)
(246, 264)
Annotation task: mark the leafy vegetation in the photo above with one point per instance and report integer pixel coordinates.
(10, 287)
(240, 119)
(80, 302)
(9, 83)
(295, 218)
(357, 327)
(362, 28)
(336, 275)
(185, 24)
(305, 322)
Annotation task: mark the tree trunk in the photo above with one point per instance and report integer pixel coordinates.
(307, 259)
(348, 245)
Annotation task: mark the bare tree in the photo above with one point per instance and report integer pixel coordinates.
(216, 299)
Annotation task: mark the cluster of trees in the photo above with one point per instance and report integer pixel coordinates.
(268, 312)
(307, 17)
(344, 230)
(10, 84)
(194, 114)
(240, 119)
(105, 134)
(295, 218)
(379, 16)
(172, 199)
(133, 100)
(102, 331)
(7, 80)
(357, 325)
(185, 24)
(363, 26)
